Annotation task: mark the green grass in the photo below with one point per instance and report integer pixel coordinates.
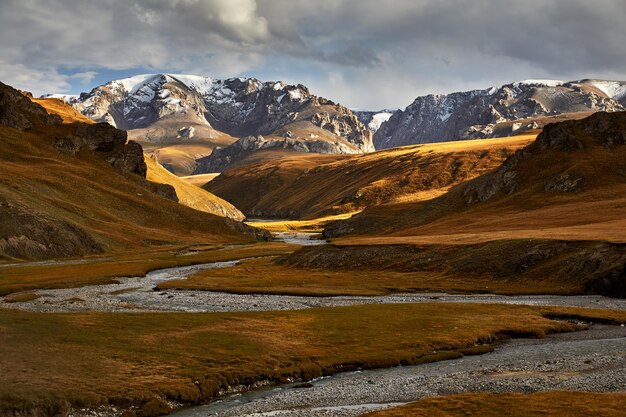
(51, 361)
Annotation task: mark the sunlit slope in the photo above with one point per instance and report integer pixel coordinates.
(189, 194)
(309, 186)
(56, 204)
(569, 184)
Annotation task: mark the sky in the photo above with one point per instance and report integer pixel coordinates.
(365, 54)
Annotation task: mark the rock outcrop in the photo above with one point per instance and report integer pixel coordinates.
(600, 130)
(111, 143)
(19, 112)
(497, 111)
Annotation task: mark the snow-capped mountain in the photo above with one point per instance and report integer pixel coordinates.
(498, 111)
(170, 108)
(373, 119)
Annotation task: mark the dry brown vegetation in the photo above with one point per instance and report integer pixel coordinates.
(56, 205)
(501, 267)
(49, 362)
(191, 195)
(96, 270)
(308, 186)
(545, 404)
(568, 185)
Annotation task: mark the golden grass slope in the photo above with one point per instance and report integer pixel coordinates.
(200, 179)
(570, 184)
(189, 194)
(57, 205)
(68, 113)
(303, 186)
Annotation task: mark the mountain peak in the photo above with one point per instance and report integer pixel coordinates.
(498, 111)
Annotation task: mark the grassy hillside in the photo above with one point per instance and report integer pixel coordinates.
(200, 179)
(55, 204)
(191, 195)
(309, 186)
(569, 184)
(550, 219)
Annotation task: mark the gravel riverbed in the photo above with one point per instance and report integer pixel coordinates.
(138, 294)
(592, 360)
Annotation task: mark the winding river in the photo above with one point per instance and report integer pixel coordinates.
(593, 360)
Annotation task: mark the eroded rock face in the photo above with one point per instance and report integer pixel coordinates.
(108, 141)
(221, 159)
(346, 125)
(19, 112)
(237, 106)
(502, 111)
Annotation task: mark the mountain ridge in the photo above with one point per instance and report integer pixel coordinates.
(498, 111)
(187, 116)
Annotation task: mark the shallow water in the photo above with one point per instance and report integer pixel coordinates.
(299, 238)
(594, 360)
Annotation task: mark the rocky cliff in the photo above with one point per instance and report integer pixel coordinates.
(188, 108)
(498, 111)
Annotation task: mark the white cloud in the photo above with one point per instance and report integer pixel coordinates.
(383, 53)
(36, 81)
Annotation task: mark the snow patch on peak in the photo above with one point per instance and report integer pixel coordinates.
(613, 89)
(377, 120)
(547, 83)
(295, 94)
(68, 98)
(135, 83)
(202, 85)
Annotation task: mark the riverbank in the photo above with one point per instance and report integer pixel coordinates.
(592, 360)
(50, 362)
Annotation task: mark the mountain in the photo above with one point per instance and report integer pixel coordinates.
(498, 111)
(70, 188)
(569, 183)
(309, 186)
(373, 119)
(184, 117)
(549, 220)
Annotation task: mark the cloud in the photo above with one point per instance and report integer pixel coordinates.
(383, 53)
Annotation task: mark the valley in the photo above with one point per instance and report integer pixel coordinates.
(300, 281)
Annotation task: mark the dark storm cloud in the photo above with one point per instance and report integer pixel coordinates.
(365, 53)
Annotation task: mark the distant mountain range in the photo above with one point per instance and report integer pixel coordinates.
(498, 111)
(182, 118)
